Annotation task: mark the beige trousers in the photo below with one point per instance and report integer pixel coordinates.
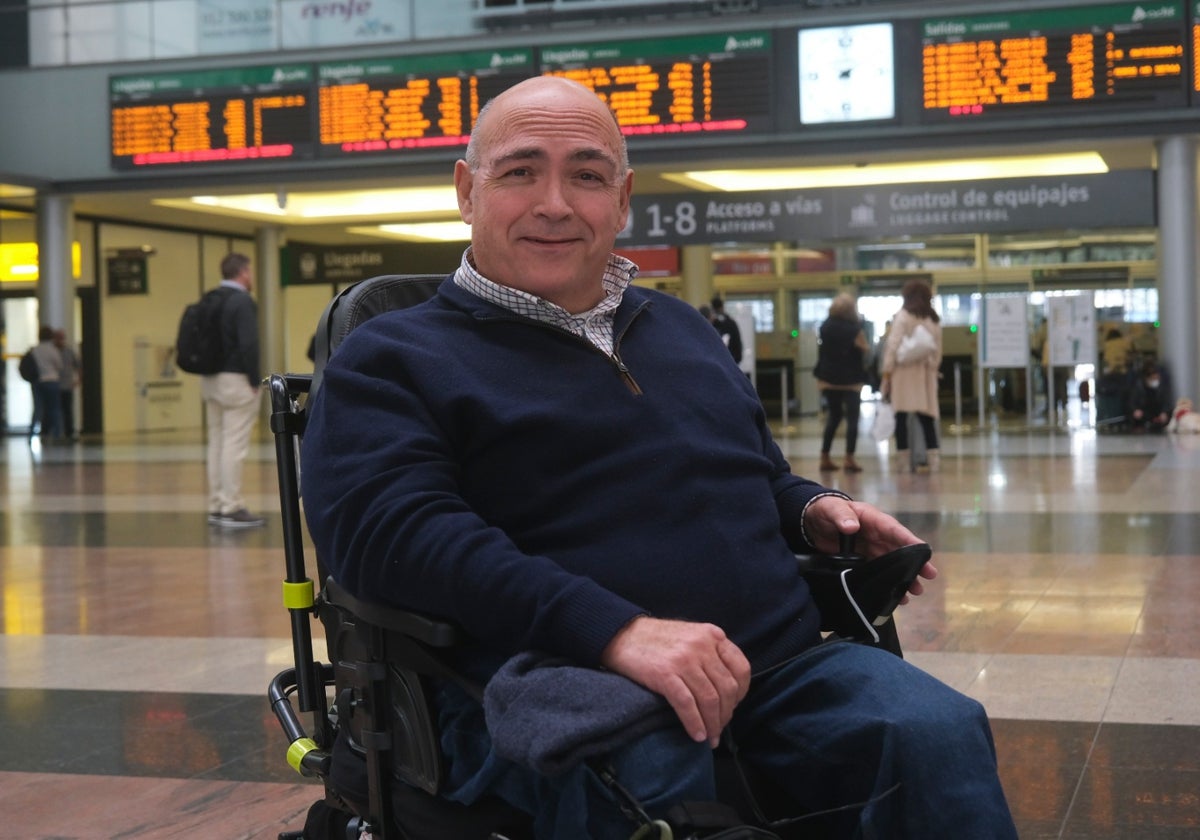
(230, 410)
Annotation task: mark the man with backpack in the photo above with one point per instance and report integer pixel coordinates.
(231, 395)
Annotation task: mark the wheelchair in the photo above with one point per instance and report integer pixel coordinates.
(373, 697)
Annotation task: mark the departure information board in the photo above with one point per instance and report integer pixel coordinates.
(389, 104)
(1090, 58)
(1196, 54)
(255, 113)
(703, 83)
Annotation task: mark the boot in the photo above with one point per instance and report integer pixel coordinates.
(902, 460)
(827, 464)
(932, 462)
(850, 465)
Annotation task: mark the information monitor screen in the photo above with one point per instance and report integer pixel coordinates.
(1055, 61)
(702, 84)
(211, 116)
(416, 102)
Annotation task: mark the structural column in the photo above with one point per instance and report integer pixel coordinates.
(56, 278)
(1179, 342)
(269, 277)
(696, 272)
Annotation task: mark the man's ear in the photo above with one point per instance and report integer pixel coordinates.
(463, 182)
(626, 193)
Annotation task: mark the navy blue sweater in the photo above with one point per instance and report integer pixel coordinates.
(507, 475)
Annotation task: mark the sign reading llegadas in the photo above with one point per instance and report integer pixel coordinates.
(1114, 199)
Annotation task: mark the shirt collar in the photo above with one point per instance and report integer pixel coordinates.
(619, 272)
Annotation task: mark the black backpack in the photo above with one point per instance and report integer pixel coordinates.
(198, 345)
(28, 367)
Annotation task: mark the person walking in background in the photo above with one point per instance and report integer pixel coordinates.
(72, 374)
(911, 358)
(231, 397)
(841, 374)
(726, 327)
(48, 408)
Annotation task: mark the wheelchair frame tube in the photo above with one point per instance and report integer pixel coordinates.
(286, 425)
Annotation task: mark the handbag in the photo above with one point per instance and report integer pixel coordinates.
(917, 346)
(885, 421)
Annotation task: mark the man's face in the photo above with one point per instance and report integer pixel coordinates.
(549, 196)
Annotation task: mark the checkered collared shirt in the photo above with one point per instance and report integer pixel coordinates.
(595, 325)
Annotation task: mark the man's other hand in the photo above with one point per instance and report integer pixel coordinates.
(701, 673)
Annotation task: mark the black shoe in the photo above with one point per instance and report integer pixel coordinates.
(238, 519)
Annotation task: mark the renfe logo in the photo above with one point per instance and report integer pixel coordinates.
(346, 11)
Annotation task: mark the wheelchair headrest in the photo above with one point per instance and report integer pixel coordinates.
(361, 302)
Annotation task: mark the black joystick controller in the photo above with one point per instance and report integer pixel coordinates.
(846, 555)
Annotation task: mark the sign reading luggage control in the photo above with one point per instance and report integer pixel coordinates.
(254, 113)
(688, 85)
(390, 104)
(1127, 55)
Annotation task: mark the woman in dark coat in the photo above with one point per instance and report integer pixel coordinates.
(840, 376)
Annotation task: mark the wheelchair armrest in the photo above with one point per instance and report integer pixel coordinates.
(857, 596)
(425, 629)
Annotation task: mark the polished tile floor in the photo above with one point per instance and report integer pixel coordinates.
(137, 641)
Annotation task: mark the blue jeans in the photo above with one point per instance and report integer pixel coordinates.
(842, 724)
(50, 406)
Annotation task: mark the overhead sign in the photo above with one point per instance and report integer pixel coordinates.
(1115, 199)
(333, 265)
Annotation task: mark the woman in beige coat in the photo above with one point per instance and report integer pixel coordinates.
(910, 380)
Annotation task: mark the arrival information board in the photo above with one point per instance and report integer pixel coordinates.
(251, 113)
(703, 83)
(380, 105)
(1127, 55)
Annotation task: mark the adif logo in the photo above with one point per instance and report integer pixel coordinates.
(295, 74)
(511, 60)
(1142, 14)
(754, 42)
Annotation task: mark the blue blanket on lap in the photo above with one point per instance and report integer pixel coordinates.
(545, 713)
